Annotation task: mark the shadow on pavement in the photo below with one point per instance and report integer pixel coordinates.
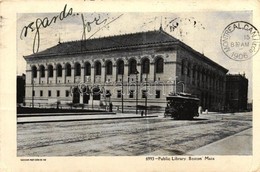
(195, 119)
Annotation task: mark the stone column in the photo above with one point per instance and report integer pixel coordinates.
(114, 74)
(55, 75)
(82, 74)
(46, 75)
(138, 67)
(73, 74)
(103, 73)
(92, 74)
(63, 75)
(38, 76)
(125, 72)
(151, 73)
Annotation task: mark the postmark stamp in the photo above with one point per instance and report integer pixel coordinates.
(240, 41)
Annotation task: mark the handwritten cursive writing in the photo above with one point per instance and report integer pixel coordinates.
(97, 21)
(87, 25)
(39, 23)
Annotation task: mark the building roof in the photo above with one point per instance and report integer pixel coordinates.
(106, 43)
(117, 42)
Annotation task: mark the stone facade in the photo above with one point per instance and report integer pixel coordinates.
(236, 92)
(160, 59)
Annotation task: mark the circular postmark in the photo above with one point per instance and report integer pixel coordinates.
(240, 41)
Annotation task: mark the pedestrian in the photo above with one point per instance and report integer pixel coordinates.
(200, 110)
(142, 113)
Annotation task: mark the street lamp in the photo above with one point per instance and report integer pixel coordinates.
(136, 72)
(146, 93)
(32, 92)
(122, 93)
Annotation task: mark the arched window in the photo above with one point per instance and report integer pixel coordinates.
(42, 71)
(87, 69)
(97, 68)
(77, 69)
(120, 67)
(59, 70)
(132, 66)
(68, 69)
(146, 66)
(109, 68)
(50, 71)
(34, 72)
(159, 65)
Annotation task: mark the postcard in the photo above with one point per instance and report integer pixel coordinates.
(129, 86)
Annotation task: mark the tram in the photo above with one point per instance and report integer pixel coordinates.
(182, 106)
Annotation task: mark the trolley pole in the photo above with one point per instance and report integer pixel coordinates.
(92, 92)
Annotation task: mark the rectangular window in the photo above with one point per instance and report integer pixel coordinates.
(41, 93)
(158, 94)
(49, 93)
(58, 93)
(33, 93)
(67, 93)
(144, 93)
(119, 94)
(131, 94)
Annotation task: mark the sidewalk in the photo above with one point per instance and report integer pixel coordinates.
(76, 117)
(238, 144)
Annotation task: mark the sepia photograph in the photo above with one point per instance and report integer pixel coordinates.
(89, 85)
(130, 84)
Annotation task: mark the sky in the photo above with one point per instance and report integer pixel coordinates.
(199, 30)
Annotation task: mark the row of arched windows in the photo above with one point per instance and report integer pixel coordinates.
(145, 68)
(205, 75)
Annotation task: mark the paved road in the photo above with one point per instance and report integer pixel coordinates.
(128, 137)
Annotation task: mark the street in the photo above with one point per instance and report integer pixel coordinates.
(128, 137)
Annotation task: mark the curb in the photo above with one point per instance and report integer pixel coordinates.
(91, 119)
(65, 114)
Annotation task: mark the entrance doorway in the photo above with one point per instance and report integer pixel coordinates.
(76, 95)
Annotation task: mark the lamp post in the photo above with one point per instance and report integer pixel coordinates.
(146, 93)
(32, 92)
(122, 93)
(136, 72)
(92, 94)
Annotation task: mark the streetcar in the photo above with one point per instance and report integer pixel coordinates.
(182, 106)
